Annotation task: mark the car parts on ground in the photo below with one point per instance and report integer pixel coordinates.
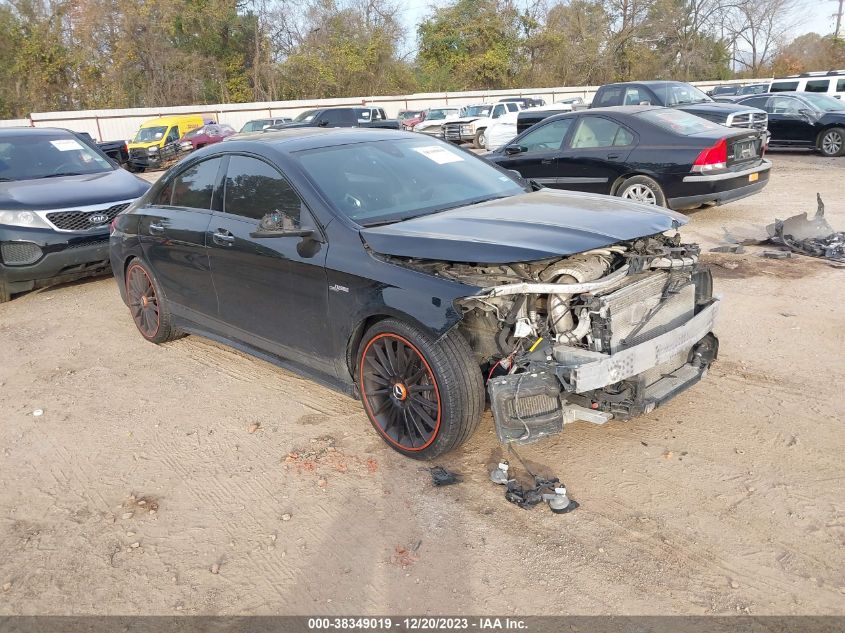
(812, 237)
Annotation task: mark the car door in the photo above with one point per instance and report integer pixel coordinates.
(787, 123)
(595, 154)
(172, 232)
(534, 154)
(271, 282)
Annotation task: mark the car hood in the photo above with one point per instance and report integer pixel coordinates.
(70, 191)
(466, 119)
(526, 227)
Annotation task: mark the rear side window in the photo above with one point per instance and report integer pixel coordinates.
(340, 117)
(679, 121)
(548, 137)
(255, 190)
(756, 102)
(840, 85)
(611, 96)
(600, 132)
(784, 86)
(512, 107)
(818, 85)
(194, 186)
(635, 96)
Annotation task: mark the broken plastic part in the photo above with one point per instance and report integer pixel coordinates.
(442, 477)
(500, 475)
(812, 237)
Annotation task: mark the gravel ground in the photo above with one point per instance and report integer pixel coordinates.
(190, 478)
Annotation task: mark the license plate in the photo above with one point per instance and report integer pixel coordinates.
(745, 150)
(753, 177)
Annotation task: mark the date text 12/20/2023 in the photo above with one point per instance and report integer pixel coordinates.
(417, 624)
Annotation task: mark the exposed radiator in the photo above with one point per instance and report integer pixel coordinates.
(633, 313)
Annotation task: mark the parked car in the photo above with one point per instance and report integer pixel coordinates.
(472, 124)
(256, 125)
(405, 115)
(683, 96)
(524, 102)
(338, 117)
(343, 254)
(724, 90)
(502, 131)
(156, 143)
(205, 135)
(434, 120)
(118, 151)
(831, 83)
(526, 118)
(57, 197)
(649, 154)
(744, 91)
(804, 120)
(409, 123)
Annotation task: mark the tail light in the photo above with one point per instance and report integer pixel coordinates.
(712, 158)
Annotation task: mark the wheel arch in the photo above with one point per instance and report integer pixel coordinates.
(826, 129)
(614, 188)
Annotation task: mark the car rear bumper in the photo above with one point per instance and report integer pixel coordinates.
(32, 258)
(715, 189)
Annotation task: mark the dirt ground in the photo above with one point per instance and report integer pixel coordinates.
(190, 478)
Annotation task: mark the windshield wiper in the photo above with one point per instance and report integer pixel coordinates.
(63, 173)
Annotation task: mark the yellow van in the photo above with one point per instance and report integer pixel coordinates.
(158, 139)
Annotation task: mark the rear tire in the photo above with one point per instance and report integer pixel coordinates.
(424, 397)
(832, 142)
(642, 189)
(147, 304)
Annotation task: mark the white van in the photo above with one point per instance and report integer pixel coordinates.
(830, 83)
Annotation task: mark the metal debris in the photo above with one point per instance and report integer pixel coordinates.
(777, 254)
(813, 237)
(729, 248)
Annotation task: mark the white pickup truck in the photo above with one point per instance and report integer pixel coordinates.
(473, 122)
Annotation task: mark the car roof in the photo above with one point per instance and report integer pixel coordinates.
(33, 131)
(630, 109)
(295, 139)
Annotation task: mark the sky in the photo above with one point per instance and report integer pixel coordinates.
(811, 16)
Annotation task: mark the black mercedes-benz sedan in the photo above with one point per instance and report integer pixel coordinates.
(58, 194)
(650, 154)
(803, 120)
(411, 274)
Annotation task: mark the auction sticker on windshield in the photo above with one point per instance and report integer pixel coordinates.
(439, 155)
(66, 144)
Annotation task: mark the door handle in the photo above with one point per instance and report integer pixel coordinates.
(547, 161)
(156, 228)
(613, 156)
(223, 237)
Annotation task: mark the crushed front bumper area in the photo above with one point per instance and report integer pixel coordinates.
(574, 384)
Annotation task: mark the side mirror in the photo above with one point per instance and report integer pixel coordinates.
(805, 112)
(510, 150)
(305, 232)
(323, 124)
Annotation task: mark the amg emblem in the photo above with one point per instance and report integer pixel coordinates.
(98, 218)
(338, 288)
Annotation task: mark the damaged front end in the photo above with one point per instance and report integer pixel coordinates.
(605, 334)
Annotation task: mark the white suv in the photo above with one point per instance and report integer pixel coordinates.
(829, 83)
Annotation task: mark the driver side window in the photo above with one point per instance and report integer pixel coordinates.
(172, 135)
(547, 137)
(785, 105)
(253, 189)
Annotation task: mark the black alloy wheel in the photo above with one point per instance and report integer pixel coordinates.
(400, 392)
(147, 304)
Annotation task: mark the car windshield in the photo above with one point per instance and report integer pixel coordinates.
(306, 116)
(678, 121)
(439, 114)
(27, 157)
(379, 182)
(409, 114)
(677, 93)
(477, 111)
(753, 90)
(197, 131)
(147, 134)
(823, 102)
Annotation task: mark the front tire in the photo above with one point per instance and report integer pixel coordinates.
(480, 141)
(832, 142)
(642, 189)
(5, 295)
(147, 304)
(424, 397)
